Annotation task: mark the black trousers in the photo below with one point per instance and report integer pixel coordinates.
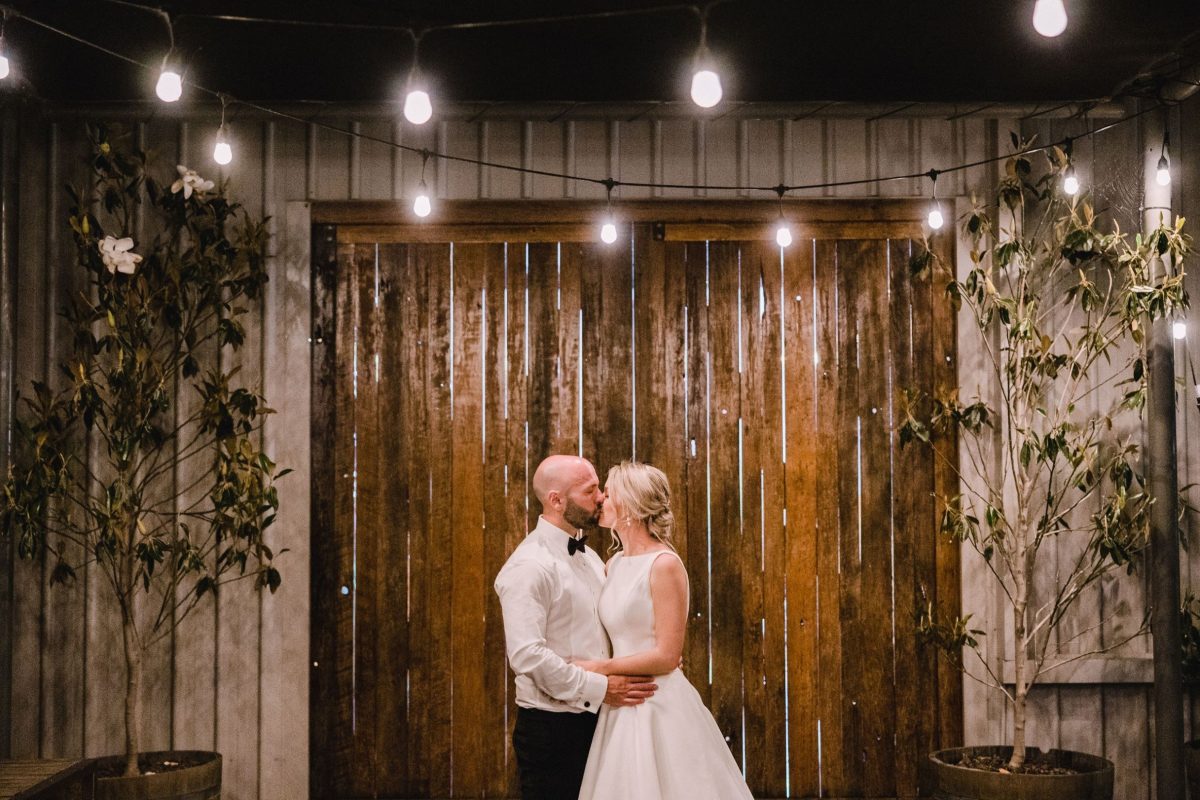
(552, 750)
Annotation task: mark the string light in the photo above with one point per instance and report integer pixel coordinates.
(170, 85)
(418, 108)
(421, 204)
(1071, 182)
(1163, 175)
(935, 220)
(1070, 179)
(1179, 330)
(4, 66)
(222, 152)
(706, 83)
(1049, 17)
(323, 125)
(783, 232)
(608, 230)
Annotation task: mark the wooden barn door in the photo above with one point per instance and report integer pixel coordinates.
(766, 384)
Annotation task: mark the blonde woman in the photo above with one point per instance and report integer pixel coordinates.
(668, 748)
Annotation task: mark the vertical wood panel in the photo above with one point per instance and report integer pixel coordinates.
(29, 359)
(724, 361)
(496, 528)
(467, 586)
(413, 282)
(912, 468)
(834, 780)
(369, 512)
(441, 493)
(291, 356)
(691, 259)
(804, 461)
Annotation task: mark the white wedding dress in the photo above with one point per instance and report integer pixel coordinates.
(668, 748)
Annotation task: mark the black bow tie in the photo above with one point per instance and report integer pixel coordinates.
(576, 544)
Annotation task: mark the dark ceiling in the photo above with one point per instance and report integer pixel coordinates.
(771, 51)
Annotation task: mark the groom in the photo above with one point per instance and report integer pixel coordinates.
(548, 590)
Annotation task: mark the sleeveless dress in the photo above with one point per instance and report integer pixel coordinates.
(668, 748)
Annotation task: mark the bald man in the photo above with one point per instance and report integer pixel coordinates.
(548, 591)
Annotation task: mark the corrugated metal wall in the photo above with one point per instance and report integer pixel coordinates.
(235, 678)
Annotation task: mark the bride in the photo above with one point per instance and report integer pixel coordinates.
(668, 748)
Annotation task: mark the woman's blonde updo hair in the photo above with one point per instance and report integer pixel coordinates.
(643, 493)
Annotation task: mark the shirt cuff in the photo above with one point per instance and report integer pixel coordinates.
(594, 689)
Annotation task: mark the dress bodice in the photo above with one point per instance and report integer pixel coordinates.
(626, 606)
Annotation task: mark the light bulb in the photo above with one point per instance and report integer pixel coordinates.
(222, 152)
(421, 205)
(417, 107)
(783, 235)
(1163, 176)
(1049, 18)
(1179, 330)
(3, 67)
(170, 86)
(608, 232)
(1071, 183)
(706, 88)
(935, 218)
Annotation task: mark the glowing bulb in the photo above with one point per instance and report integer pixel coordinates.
(3, 67)
(1179, 330)
(1049, 18)
(1163, 176)
(706, 88)
(783, 235)
(421, 206)
(222, 152)
(417, 107)
(608, 232)
(1071, 183)
(935, 218)
(170, 86)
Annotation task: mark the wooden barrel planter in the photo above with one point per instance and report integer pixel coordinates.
(1093, 781)
(197, 778)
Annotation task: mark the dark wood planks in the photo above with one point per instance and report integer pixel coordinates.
(723, 346)
(651, 345)
(865, 488)
(949, 592)
(467, 586)
(804, 462)
(916, 666)
(440, 560)
(413, 282)
(690, 261)
(496, 527)
(391, 488)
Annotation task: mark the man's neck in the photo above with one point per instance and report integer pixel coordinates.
(561, 524)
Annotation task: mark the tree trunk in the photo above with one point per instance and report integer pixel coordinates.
(133, 692)
(1020, 661)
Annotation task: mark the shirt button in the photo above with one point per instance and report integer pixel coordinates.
(587, 703)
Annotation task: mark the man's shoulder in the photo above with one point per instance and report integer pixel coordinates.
(530, 561)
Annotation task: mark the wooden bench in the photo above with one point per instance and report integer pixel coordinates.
(47, 779)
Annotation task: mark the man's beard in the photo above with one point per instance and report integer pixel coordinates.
(579, 518)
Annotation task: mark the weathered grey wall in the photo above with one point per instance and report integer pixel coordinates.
(235, 678)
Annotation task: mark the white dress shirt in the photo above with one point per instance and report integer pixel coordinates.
(548, 598)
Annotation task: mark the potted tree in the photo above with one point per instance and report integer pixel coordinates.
(147, 332)
(1061, 302)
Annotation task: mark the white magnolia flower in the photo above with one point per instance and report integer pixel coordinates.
(116, 255)
(189, 182)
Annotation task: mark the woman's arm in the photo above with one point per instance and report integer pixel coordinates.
(669, 591)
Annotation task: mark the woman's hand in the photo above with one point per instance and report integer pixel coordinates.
(599, 666)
